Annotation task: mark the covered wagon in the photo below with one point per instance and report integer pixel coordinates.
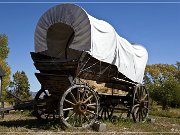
(72, 47)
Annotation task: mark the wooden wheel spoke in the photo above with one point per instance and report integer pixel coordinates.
(105, 116)
(75, 119)
(139, 94)
(89, 98)
(75, 101)
(144, 97)
(141, 91)
(67, 118)
(90, 112)
(71, 103)
(145, 109)
(67, 109)
(137, 113)
(140, 114)
(136, 95)
(108, 113)
(111, 113)
(92, 106)
(85, 117)
(105, 112)
(101, 110)
(144, 113)
(136, 101)
(80, 119)
(78, 95)
(83, 95)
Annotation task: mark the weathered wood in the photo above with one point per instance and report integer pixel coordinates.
(40, 57)
(124, 81)
(21, 106)
(14, 96)
(55, 66)
(53, 82)
(54, 73)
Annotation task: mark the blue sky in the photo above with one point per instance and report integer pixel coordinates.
(154, 25)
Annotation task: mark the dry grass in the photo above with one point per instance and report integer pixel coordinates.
(171, 113)
(23, 123)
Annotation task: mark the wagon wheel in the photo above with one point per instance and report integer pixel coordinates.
(140, 104)
(106, 112)
(44, 107)
(81, 103)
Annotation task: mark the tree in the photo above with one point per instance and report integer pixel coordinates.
(21, 85)
(178, 67)
(4, 51)
(162, 81)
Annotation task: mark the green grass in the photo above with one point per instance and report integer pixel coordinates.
(171, 113)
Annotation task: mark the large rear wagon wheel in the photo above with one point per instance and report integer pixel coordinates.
(140, 107)
(79, 107)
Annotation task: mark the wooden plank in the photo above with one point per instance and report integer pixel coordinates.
(21, 106)
(54, 66)
(123, 81)
(53, 82)
(14, 96)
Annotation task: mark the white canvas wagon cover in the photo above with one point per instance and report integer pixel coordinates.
(74, 26)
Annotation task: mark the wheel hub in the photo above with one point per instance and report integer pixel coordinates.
(141, 103)
(80, 107)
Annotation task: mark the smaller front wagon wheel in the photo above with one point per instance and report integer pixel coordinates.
(140, 107)
(79, 107)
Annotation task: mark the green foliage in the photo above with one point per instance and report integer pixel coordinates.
(178, 74)
(178, 65)
(4, 51)
(6, 78)
(163, 82)
(21, 86)
(167, 94)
